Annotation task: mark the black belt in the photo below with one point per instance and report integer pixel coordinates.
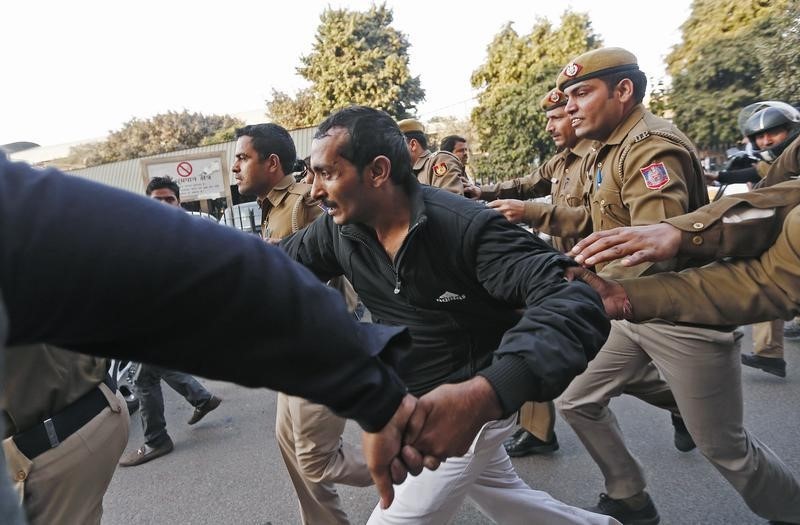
(51, 432)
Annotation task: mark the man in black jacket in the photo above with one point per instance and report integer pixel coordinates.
(493, 321)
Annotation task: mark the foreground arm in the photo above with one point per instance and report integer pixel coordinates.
(94, 269)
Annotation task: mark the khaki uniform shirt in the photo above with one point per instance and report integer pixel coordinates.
(441, 170)
(41, 380)
(568, 217)
(287, 208)
(646, 171)
(739, 291)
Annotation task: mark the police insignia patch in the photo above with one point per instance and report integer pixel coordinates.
(572, 69)
(554, 96)
(655, 175)
(440, 169)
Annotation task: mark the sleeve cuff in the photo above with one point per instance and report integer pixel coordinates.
(512, 382)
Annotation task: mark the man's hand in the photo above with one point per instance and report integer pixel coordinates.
(382, 451)
(711, 177)
(447, 419)
(513, 209)
(651, 243)
(615, 299)
(472, 191)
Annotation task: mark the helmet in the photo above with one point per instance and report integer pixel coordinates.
(772, 115)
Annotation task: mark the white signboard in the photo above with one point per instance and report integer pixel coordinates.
(198, 176)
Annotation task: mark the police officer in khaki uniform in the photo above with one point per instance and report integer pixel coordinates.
(441, 169)
(65, 429)
(647, 171)
(309, 435)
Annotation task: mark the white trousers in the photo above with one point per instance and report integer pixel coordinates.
(486, 476)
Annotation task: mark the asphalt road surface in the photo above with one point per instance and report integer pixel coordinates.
(227, 468)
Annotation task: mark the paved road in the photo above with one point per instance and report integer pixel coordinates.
(227, 469)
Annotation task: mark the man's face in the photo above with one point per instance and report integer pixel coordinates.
(594, 112)
(461, 150)
(414, 149)
(167, 196)
(771, 137)
(251, 173)
(559, 126)
(337, 184)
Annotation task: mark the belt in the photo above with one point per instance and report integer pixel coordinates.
(51, 432)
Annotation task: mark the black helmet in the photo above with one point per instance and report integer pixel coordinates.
(774, 115)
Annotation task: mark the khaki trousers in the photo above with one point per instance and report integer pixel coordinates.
(768, 338)
(66, 484)
(538, 419)
(310, 440)
(703, 369)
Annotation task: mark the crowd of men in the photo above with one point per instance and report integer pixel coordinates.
(473, 318)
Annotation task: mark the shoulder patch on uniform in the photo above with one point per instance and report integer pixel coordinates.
(655, 175)
(440, 169)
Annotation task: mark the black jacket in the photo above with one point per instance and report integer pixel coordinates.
(99, 270)
(470, 286)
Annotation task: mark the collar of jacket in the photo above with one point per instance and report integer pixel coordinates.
(278, 192)
(421, 160)
(416, 199)
(625, 127)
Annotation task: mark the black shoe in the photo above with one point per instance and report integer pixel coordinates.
(526, 444)
(791, 329)
(515, 436)
(146, 453)
(201, 411)
(625, 514)
(771, 365)
(683, 440)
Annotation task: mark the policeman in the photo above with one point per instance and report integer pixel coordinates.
(65, 429)
(441, 169)
(647, 171)
(771, 129)
(308, 434)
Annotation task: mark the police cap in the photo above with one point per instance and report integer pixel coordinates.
(555, 98)
(596, 63)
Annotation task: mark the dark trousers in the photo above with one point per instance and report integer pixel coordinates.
(151, 399)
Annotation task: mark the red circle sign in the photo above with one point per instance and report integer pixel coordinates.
(184, 169)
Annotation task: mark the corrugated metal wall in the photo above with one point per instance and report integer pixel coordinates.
(127, 174)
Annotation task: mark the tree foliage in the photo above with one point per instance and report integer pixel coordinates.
(518, 72)
(724, 62)
(357, 58)
(162, 133)
(780, 67)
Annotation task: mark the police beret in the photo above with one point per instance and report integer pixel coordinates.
(596, 63)
(409, 124)
(555, 98)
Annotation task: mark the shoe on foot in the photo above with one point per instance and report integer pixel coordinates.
(771, 365)
(513, 437)
(683, 440)
(146, 453)
(791, 329)
(201, 411)
(636, 510)
(526, 444)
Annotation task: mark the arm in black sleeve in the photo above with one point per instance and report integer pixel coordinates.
(98, 270)
(739, 176)
(563, 324)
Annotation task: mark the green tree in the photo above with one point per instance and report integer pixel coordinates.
(519, 71)
(777, 51)
(717, 67)
(357, 58)
(162, 133)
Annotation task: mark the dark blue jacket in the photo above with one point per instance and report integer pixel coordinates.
(470, 287)
(101, 271)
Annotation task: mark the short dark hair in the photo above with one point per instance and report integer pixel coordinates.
(638, 78)
(372, 133)
(450, 141)
(268, 139)
(157, 183)
(419, 137)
